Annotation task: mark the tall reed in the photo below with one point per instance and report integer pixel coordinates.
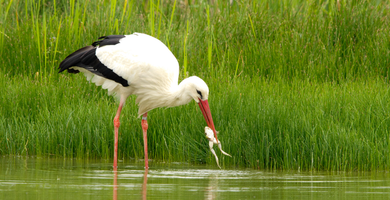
(294, 84)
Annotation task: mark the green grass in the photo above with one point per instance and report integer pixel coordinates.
(294, 84)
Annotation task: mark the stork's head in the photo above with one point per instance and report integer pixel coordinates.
(197, 89)
(200, 93)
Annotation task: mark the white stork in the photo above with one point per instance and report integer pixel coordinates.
(142, 65)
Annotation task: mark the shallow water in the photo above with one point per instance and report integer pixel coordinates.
(35, 178)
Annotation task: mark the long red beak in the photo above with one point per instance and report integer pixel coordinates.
(204, 107)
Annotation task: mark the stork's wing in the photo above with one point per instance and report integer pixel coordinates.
(86, 58)
(127, 59)
(142, 60)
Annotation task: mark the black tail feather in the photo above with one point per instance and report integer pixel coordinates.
(86, 58)
(74, 59)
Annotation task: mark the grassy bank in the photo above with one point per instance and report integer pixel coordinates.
(297, 85)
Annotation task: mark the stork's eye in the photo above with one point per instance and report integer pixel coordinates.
(199, 94)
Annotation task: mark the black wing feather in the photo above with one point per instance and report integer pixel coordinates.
(108, 40)
(86, 58)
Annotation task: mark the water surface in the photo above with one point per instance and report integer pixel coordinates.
(37, 178)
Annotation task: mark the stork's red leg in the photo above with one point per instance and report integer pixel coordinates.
(116, 128)
(144, 129)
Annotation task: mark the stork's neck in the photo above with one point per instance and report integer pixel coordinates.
(176, 95)
(180, 94)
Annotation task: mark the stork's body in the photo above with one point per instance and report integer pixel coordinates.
(140, 65)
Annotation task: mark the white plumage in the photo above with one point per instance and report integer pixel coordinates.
(140, 65)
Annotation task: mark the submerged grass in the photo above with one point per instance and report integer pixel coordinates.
(294, 85)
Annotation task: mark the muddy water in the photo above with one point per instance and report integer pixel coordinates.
(36, 178)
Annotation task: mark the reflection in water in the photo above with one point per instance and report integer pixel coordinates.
(234, 184)
(115, 186)
(144, 187)
(212, 188)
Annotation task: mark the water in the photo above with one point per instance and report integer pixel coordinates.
(35, 178)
